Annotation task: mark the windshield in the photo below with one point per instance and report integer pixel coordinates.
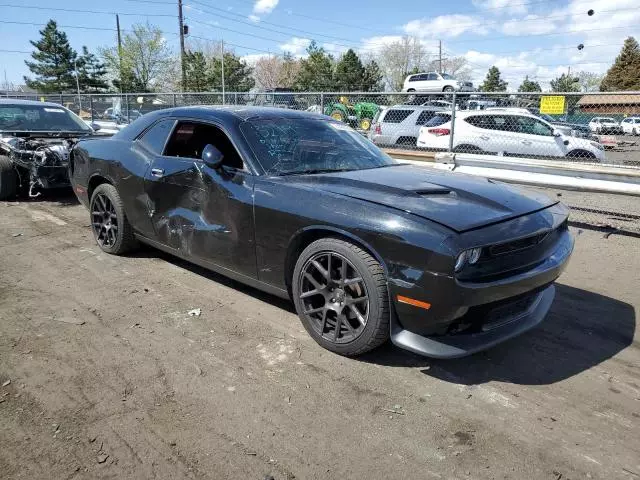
(286, 146)
(608, 120)
(446, 76)
(36, 118)
(546, 117)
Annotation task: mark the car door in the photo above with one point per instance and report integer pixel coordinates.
(536, 138)
(202, 213)
(491, 133)
(431, 83)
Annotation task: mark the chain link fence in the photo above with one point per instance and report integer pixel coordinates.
(574, 127)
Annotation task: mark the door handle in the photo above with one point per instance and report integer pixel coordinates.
(484, 137)
(157, 172)
(526, 142)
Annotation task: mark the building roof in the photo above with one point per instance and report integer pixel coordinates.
(610, 99)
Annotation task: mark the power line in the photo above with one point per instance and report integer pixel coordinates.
(74, 10)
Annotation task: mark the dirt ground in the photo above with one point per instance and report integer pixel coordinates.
(104, 374)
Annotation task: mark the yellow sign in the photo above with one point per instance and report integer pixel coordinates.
(552, 105)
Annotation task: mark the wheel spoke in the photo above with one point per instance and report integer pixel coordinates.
(321, 269)
(313, 281)
(352, 301)
(358, 315)
(315, 310)
(346, 323)
(352, 281)
(310, 293)
(343, 271)
(336, 333)
(324, 322)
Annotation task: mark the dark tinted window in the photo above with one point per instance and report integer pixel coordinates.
(424, 116)
(432, 76)
(533, 126)
(189, 139)
(505, 123)
(438, 119)
(396, 116)
(156, 137)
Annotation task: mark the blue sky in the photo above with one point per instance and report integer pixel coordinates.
(537, 38)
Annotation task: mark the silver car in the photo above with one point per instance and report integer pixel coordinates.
(400, 124)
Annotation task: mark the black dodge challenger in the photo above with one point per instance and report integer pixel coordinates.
(302, 206)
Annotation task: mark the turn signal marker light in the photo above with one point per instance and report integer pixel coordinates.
(414, 302)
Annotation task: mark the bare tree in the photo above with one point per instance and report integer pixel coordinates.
(271, 72)
(456, 66)
(399, 58)
(589, 81)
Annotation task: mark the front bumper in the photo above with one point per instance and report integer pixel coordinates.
(461, 319)
(463, 344)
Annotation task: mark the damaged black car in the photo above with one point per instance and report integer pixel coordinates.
(35, 140)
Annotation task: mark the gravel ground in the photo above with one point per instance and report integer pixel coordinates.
(104, 374)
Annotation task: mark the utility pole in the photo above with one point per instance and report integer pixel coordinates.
(119, 49)
(222, 49)
(75, 65)
(440, 57)
(181, 25)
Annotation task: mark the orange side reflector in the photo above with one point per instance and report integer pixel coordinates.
(415, 303)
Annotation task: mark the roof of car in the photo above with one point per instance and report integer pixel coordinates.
(434, 108)
(467, 113)
(32, 103)
(239, 112)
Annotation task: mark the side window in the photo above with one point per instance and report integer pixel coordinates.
(505, 123)
(532, 126)
(156, 137)
(432, 76)
(424, 117)
(396, 116)
(481, 121)
(413, 78)
(190, 138)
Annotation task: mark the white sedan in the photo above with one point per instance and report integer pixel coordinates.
(505, 133)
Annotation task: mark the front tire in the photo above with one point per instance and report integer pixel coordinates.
(340, 293)
(109, 223)
(581, 155)
(448, 89)
(338, 115)
(8, 178)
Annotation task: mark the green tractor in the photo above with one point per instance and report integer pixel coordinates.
(358, 115)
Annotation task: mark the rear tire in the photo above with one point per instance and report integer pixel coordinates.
(467, 149)
(109, 223)
(448, 89)
(8, 178)
(338, 115)
(580, 155)
(324, 301)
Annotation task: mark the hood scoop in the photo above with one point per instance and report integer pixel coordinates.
(437, 190)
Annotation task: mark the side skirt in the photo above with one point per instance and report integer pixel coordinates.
(239, 277)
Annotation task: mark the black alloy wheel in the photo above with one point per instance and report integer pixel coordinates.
(104, 221)
(340, 294)
(109, 224)
(334, 297)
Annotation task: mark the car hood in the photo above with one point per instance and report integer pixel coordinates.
(460, 202)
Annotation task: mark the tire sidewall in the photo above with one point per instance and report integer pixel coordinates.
(375, 302)
(110, 192)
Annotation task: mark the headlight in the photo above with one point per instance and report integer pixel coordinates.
(597, 145)
(468, 257)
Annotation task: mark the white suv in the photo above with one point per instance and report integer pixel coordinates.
(631, 125)
(434, 82)
(604, 125)
(505, 133)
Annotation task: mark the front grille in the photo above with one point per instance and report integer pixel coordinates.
(514, 246)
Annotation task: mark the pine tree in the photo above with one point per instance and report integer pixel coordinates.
(316, 71)
(196, 78)
(237, 74)
(493, 82)
(624, 74)
(91, 73)
(529, 86)
(53, 62)
(565, 83)
(372, 78)
(349, 72)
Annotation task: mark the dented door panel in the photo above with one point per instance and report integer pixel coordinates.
(203, 213)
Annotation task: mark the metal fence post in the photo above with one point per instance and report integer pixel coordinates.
(453, 121)
(91, 107)
(174, 100)
(322, 103)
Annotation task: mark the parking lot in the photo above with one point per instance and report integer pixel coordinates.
(105, 374)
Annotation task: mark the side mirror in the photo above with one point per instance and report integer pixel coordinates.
(95, 126)
(557, 133)
(211, 156)
(566, 142)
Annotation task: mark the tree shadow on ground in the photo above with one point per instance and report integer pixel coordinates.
(582, 329)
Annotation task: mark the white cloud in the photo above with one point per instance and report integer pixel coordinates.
(296, 46)
(445, 26)
(265, 6)
(254, 18)
(499, 7)
(529, 25)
